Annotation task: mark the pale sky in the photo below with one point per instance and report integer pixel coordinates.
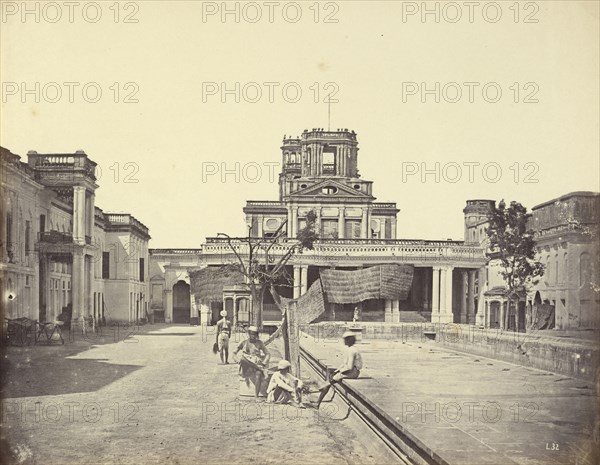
(170, 135)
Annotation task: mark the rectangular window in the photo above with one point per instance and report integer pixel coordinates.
(301, 224)
(329, 229)
(141, 269)
(353, 229)
(42, 223)
(105, 265)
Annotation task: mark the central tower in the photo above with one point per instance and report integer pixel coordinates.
(318, 154)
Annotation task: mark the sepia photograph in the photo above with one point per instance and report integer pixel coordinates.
(324, 232)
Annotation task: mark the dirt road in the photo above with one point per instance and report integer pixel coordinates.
(160, 396)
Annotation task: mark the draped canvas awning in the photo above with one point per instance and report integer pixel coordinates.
(377, 282)
(348, 287)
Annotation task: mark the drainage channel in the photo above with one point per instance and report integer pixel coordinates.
(404, 445)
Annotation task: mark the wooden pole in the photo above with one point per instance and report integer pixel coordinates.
(292, 334)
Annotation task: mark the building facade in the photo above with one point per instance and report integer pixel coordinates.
(320, 174)
(62, 253)
(566, 231)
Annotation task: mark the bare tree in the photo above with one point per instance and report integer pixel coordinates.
(263, 266)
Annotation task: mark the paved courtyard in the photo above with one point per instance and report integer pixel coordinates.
(469, 409)
(159, 396)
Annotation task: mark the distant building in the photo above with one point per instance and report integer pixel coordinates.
(320, 173)
(567, 240)
(59, 251)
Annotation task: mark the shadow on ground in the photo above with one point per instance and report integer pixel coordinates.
(46, 369)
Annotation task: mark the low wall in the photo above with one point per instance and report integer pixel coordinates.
(579, 358)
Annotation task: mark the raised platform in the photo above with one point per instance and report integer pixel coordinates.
(576, 354)
(464, 409)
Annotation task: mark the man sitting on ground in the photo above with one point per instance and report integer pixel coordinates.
(284, 387)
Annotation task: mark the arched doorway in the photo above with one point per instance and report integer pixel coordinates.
(181, 302)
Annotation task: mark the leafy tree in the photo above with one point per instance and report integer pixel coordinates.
(263, 265)
(513, 245)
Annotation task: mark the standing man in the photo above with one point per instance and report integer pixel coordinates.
(350, 367)
(223, 335)
(254, 360)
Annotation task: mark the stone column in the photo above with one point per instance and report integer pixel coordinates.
(260, 220)
(463, 296)
(388, 311)
(395, 311)
(318, 220)
(78, 286)
(79, 205)
(341, 223)
(364, 227)
(445, 315)
(294, 223)
(89, 276)
(471, 299)
(289, 222)
(393, 228)
(341, 158)
(91, 215)
(304, 279)
(435, 294)
(205, 314)
(169, 302)
(502, 313)
(297, 284)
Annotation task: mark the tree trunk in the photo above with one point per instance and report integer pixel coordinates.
(258, 293)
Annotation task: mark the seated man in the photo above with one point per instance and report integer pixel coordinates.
(284, 386)
(350, 368)
(254, 360)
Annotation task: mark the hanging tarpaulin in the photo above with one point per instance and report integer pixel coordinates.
(206, 285)
(311, 305)
(377, 282)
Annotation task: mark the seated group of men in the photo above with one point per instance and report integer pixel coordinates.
(284, 387)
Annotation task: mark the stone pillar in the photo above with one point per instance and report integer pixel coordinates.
(89, 276)
(341, 158)
(463, 296)
(435, 294)
(364, 226)
(297, 284)
(388, 311)
(294, 223)
(502, 313)
(169, 306)
(205, 314)
(79, 206)
(304, 279)
(260, 220)
(395, 311)
(289, 222)
(194, 318)
(445, 315)
(341, 223)
(393, 232)
(471, 299)
(78, 285)
(318, 220)
(91, 215)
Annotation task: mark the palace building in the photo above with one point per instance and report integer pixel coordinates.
(61, 253)
(320, 174)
